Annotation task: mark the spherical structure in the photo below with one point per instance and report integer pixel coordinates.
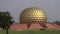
(33, 15)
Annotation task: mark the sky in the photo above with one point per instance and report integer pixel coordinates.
(15, 7)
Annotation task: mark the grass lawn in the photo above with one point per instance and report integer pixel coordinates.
(47, 31)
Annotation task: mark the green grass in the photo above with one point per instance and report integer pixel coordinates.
(32, 31)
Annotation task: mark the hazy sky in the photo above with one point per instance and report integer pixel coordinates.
(51, 7)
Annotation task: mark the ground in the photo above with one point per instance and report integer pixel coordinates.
(32, 31)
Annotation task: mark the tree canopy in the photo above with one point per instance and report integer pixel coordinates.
(57, 22)
(5, 20)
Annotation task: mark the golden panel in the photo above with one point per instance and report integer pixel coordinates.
(33, 15)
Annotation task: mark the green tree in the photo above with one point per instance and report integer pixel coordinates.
(57, 22)
(5, 20)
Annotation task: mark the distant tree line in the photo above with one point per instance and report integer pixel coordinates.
(57, 22)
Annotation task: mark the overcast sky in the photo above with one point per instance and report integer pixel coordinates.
(51, 7)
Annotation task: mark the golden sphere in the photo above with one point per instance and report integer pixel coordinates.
(33, 15)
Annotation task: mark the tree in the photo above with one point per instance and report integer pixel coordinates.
(57, 22)
(5, 20)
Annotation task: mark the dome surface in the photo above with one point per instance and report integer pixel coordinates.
(33, 15)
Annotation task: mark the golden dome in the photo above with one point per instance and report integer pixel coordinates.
(33, 15)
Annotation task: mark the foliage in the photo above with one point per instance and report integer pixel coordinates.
(5, 20)
(57, 22)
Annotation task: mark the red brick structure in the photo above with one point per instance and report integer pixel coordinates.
(20, 27)
(35, 26)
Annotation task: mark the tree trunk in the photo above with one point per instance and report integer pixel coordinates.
(6, 30)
